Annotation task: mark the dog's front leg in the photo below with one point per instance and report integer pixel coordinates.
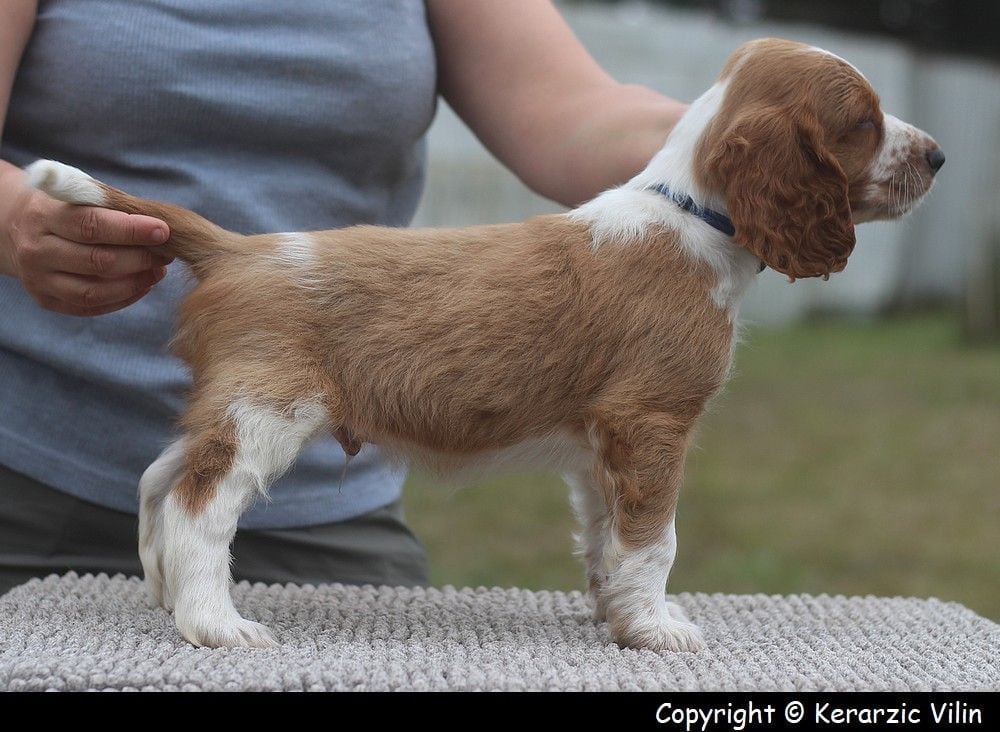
(641, 464)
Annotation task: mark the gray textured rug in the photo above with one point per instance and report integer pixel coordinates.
(101, 633)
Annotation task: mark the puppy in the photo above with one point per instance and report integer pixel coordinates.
(587, 342)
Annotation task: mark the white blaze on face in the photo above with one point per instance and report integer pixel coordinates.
(897, 140)
(899, 175)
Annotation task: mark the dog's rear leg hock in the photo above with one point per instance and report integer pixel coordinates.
(595, 524)
(154, 486)
(198, 532)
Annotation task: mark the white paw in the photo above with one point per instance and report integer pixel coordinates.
(167, 599)
(224, 631)
(151, 555)
(157, 587)
(598, 603)
(64, 182)
(678, 636)
(154, 587)
(677, 612)
(599, 611)
(657, 632)
(152, 569)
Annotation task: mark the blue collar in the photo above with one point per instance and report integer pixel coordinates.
(713, 218)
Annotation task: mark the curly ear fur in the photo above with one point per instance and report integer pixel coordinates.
(785, 192)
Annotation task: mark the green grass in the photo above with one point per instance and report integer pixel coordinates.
(842, 458)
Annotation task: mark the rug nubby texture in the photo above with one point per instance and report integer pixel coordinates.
(79, 633)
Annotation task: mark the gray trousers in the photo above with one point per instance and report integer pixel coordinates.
(44, 531)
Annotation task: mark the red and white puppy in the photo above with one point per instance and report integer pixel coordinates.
(588, 342)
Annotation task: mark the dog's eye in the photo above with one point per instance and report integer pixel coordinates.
(865, 124)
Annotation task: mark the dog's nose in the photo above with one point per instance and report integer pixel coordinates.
(935, 159)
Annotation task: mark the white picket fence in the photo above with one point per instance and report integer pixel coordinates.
(928, 255)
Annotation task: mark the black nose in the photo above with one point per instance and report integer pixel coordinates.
(935, 159)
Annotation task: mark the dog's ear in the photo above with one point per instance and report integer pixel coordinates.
(785, 192)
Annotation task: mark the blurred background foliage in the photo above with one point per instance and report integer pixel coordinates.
(960, 26)
(856, 449)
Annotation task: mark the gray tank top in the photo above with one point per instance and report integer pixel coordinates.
(262, 116)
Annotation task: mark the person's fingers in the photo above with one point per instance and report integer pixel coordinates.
(97, 260)
(106, 271)
(59, 306)
(92, 225)
(116, 305)
(81, 295)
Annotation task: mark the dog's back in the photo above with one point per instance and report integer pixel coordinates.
(451, 340)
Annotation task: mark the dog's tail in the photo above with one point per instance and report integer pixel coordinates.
(193, 239)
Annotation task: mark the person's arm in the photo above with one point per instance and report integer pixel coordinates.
(77, 260)
(517, 75)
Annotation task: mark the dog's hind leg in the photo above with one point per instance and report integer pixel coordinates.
(238, 451)
(154, 486)
(642, 468)
(594, 516)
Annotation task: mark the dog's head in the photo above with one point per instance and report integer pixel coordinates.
(799, 151)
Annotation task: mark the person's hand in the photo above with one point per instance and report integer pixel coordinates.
(80, 260)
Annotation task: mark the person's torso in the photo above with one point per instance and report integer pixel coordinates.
(262, 117)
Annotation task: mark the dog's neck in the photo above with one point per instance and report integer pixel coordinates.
(627, 213)
(673, 166)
